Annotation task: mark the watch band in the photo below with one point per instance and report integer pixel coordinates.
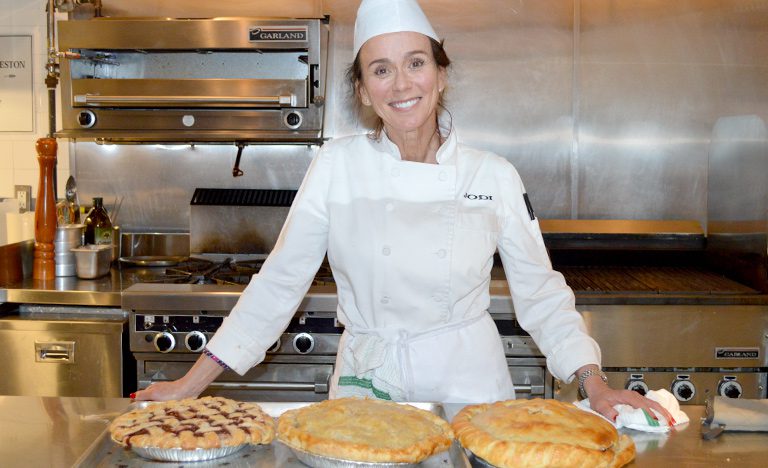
(588, 373)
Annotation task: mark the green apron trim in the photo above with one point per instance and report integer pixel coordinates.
(651, 422)
(352, 381)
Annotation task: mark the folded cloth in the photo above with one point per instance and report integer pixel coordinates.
(740, 414)
(639, 419)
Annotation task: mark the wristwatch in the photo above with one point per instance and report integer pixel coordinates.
(585, 375)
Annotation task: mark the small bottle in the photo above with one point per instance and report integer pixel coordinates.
(98, 227)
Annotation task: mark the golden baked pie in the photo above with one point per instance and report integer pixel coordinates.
(365, 430)
(206, 423)
(533, 433)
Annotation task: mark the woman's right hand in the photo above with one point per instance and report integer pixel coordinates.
(191, 385)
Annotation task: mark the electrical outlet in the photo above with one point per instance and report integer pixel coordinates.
(24, 195)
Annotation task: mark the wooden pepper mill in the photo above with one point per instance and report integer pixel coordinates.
(44, 264)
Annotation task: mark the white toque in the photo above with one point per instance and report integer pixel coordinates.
(376, 17)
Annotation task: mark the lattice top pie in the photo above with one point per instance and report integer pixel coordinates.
(533, 433)
(365, 430)
(208, 422)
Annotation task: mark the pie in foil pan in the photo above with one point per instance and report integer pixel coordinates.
(322, 461)
(182, 455)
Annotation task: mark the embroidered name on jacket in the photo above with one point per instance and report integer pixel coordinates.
(472, 196)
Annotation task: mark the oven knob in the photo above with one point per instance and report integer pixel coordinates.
(195, 341)
(638, 386)
(293, 120)
(303, 343)
(730, 389)
(683, 390)
(164, 342)
(86, 119)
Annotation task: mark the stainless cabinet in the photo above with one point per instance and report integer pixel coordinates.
(66, 356)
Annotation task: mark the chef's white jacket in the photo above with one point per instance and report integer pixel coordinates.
(411, 248)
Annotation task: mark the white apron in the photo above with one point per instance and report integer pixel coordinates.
(462, 362)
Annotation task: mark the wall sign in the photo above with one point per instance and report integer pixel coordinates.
(17, 112)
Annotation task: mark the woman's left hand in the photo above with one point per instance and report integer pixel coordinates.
(603, 398)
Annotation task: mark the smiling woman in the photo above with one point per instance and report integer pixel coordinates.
(410, 219)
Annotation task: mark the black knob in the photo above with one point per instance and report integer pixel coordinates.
(195, 341)
(685, 392)
(303, 343)
(730, 389)
(86, 118)
(639, 387)
(293, 120)
(164, 342)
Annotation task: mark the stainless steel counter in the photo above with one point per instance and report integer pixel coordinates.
(57, 432)
(68, 290)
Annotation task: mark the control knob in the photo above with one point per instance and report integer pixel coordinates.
(684, 390)
(638, 386)
(86, 119)
(730, 389)
(164, 342)
(303, 343)
(293, 120)
(195, 341)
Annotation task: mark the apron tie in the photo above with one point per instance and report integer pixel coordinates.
(376, 362)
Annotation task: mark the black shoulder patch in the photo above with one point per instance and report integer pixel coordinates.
(529, 207)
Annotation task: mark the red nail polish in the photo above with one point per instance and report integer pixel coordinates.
(673, 421)
(133, 396)
(614, 417)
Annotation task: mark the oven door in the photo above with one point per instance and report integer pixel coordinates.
(272, 380)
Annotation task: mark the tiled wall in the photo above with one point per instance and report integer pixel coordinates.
(18, 159)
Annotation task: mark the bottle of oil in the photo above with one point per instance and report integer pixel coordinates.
(98, 227)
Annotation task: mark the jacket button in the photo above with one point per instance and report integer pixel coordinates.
(385, 300)
(441, 253)
(386, 251)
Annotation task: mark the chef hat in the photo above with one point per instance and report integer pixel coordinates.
(376, 17)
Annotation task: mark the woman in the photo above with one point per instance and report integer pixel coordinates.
(411, 245)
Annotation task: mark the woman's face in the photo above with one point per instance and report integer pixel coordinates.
(401, 80)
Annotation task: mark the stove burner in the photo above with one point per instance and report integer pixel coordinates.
(228, 272)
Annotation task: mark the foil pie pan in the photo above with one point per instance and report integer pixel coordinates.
(181, 455)
(476, 461)
(322, 461)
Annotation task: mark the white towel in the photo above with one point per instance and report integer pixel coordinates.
(639, 419)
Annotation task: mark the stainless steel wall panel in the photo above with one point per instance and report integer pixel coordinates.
(157, 181)
(606, 107)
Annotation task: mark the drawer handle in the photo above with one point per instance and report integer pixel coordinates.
(62, 352)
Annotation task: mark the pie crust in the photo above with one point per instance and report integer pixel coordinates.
(366, 430)
(194, 423)
(533, 433)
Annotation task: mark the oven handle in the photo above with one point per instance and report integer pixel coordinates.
(274, 386)
(320, 385)
(97, 99)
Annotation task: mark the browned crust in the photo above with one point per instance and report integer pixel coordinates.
(534, 433)
(365, 430)
(208, 422)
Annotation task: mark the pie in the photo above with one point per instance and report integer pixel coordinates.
(365, 430)
(194, 423)
(533, 433)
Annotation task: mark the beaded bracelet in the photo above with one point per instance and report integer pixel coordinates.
(218, 361)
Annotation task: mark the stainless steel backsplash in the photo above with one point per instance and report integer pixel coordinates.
(607, 108)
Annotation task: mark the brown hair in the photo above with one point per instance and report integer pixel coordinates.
(354, 76)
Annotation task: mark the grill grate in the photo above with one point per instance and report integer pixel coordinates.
(242, 197)
(645, 279)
